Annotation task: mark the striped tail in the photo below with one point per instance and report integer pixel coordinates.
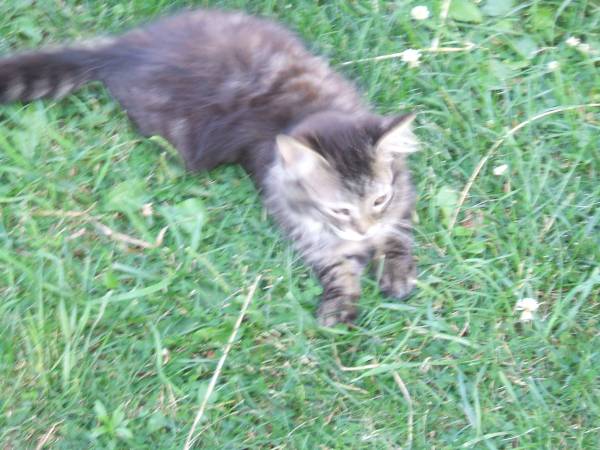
(54, 73)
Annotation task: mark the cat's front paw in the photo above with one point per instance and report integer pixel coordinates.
(399, 277)
(334, 311)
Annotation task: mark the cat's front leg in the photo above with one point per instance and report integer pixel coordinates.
(340, 278)
(398, 277)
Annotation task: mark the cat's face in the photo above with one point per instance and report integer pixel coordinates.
(347, 172)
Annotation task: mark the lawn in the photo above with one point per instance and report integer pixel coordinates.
(122, 277)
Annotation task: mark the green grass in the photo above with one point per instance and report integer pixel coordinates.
(105, 345)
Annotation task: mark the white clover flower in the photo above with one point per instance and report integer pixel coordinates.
(573, 41)
(420, 12)
(499, 170)
(584, 48)
(147, 210)
(411, 57)
(527, 306)
(553, 65)
(526, 316)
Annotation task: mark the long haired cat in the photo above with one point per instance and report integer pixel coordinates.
(225, 87)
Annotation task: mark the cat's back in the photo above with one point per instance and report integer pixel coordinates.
(218, 83)
(213, 37)
(220, 56)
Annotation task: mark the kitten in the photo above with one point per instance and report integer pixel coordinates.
(225, 87)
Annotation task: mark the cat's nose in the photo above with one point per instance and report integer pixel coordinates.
(363, 226)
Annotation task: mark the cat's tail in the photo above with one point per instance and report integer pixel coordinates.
(50, 73)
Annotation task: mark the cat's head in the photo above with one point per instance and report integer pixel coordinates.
(348, 172)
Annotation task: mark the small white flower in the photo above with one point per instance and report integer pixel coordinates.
(411, 57)
(420, 13)
(147, 210)
(584, 48)
(553, 65)
(499, 170)
(528, 306)
(573, 41)
(526, 316)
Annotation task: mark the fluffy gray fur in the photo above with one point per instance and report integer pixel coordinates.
(230, 88)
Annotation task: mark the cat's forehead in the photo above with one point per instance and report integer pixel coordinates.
(348, 145)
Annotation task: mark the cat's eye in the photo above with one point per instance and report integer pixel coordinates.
(344, 212)
(380, 200)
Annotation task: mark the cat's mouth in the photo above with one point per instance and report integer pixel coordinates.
(352, 235)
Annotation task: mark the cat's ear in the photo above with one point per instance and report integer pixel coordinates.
(297, 157)
(397, 137)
